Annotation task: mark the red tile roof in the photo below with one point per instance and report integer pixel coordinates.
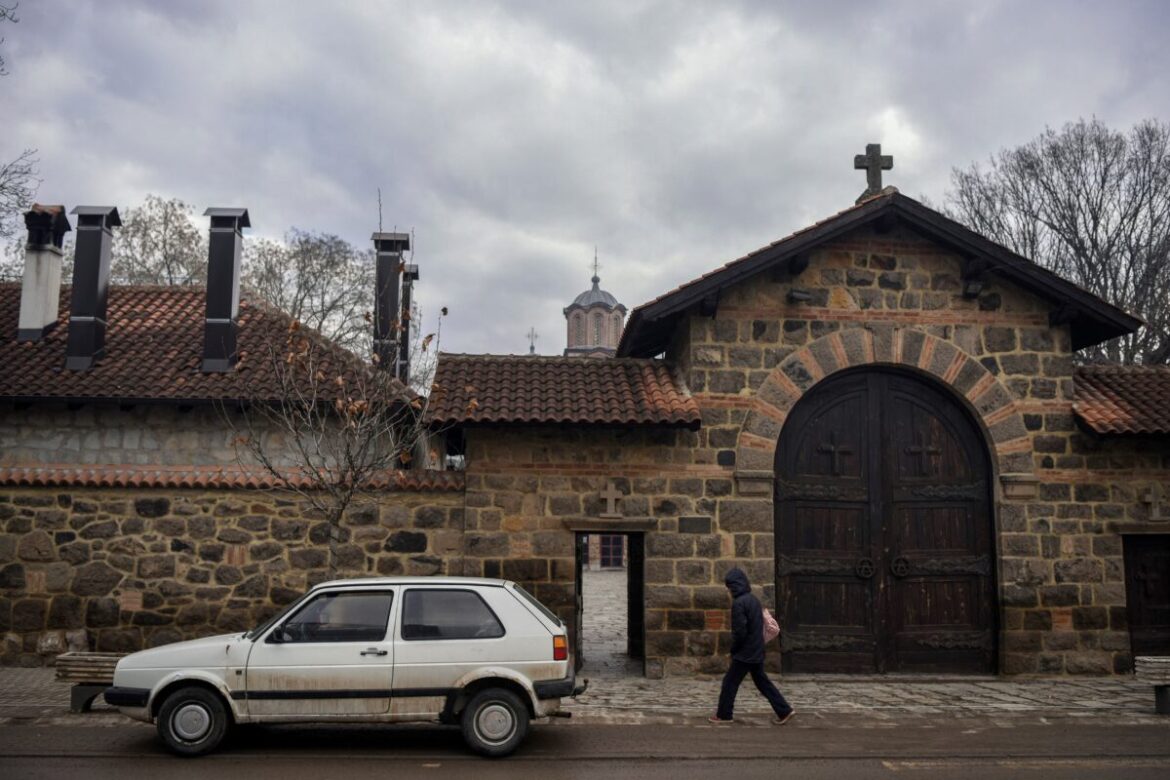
(128, 476)
(534, 389)
(154, 346)
(1124, 399)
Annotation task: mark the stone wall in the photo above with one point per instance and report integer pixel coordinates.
(119, 570)
(528, 488)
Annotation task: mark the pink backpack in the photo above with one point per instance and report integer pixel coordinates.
(771, 627)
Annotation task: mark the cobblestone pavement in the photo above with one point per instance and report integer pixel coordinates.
(604, 626)
(619, 694)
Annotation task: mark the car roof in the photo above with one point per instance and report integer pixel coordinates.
(366, 581)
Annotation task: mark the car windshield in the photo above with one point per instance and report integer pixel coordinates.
(532, 600)
(260, 629)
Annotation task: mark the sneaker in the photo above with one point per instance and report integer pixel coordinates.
(717, 719)
(780, 721)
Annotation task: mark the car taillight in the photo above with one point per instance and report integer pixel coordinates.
(560, 648)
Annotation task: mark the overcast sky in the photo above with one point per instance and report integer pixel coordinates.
(513, 137)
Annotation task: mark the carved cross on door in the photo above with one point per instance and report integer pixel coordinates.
(835, 452)
(921, 451)
(1148, 577)
(612, 495)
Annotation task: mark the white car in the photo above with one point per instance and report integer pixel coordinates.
(481, 653)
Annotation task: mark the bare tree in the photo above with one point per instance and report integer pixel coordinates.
(319, 279)
(7, 14)
(18, 179)
(18, 186)
(1092, 205)
(336, 428)
(159, 243)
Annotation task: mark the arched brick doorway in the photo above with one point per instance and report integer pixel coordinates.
(884, 529)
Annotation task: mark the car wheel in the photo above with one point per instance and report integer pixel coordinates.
(495, 722)
(192, 721)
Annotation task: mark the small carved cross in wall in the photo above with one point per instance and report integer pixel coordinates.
(835, 452)
(1153, 499)
(922, 450)
(611, 494)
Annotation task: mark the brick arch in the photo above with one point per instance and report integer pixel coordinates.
(990, 403)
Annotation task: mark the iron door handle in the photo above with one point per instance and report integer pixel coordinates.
(864, 568)
(374, 651)
(900, 567)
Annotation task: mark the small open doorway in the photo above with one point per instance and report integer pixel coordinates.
(610, 630)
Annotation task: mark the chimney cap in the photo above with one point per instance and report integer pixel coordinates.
(411, 272)
(48, 218)
(109, 214)
(239, 214)
(391, 242)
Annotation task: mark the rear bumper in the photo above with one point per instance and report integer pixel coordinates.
(558, 689)
(127, 697)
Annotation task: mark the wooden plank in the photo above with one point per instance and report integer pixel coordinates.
(1154, 670)
(93, 668)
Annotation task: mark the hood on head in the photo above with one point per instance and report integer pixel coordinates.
(737, 582)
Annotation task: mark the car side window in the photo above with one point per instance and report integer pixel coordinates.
(360, 616)
(448, 614)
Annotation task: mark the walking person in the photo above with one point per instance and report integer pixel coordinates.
(747, 653)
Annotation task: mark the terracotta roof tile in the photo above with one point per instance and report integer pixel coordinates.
(129, 476)
(534, 389)
(1123, 399)
(154, 347)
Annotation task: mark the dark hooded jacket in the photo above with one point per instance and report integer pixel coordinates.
(747, 620)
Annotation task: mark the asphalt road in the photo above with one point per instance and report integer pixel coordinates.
(948, 748)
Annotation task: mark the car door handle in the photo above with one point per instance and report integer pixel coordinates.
(374, 651)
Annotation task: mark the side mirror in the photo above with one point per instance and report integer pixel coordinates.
(279, 636)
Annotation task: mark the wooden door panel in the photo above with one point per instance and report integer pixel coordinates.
(884, 530)
(829, 528)
(1147, 593)
(821, 604)
(933, 528)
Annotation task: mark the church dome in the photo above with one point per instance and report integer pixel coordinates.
(595, 296)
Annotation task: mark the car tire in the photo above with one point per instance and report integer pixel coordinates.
(494, 722)
(193, 721)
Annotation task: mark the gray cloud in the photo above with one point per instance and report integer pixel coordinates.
(512, 137)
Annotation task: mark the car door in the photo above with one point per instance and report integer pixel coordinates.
(443, 633)
(333, 657)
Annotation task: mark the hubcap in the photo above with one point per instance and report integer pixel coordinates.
(495, 723)
(191, 722)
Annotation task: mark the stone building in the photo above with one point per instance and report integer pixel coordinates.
(878, 417)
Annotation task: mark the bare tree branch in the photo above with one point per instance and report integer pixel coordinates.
(18, 187)
(1093, 206)
(335, 429)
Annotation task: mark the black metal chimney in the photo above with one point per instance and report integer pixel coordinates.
(388, 271)
(223, 287)
(91, 285)
(40, 292)
(409, 277)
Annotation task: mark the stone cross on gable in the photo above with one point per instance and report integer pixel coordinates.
(532, 337)
(873, 162)
(612, 495)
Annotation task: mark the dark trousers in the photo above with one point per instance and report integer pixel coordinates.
(732, 681)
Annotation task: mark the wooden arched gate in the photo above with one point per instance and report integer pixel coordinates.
(884, 533)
